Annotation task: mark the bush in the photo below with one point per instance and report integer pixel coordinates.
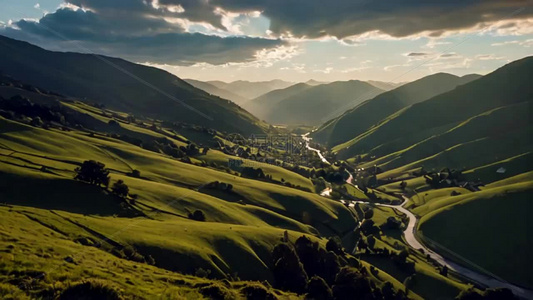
(93, 172)
(89, 290)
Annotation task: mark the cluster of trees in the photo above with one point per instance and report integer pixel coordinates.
(22, 109)
(307, 268)
(95, 173)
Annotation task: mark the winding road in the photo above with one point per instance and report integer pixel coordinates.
(410, 237)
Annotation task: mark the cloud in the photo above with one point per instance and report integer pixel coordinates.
(37, 6)
(345, 18)
(527, 43)
(489, 57)
(136, 31)
(415, 54)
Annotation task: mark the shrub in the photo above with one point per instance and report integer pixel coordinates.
(90, 290)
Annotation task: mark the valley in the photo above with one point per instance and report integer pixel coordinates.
(119, 180)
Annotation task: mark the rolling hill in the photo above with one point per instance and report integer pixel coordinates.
(122, 85)
(311, 105)
(362, 117)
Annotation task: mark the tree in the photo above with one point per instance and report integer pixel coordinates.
(197, 215)
(444, 271)
(318, 289)
(334, 246)
(93, 172)
(469, 294)
(120, 189)
(350, 283)
(369, 214)
(289, 273)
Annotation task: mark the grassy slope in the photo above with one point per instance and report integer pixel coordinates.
(495, 220)
(503, 88)
(28, 248)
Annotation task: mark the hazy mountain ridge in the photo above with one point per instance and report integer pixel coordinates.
(251, 89)
(311, 105)
(214, 90)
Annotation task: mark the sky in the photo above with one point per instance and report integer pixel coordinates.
(292, 40)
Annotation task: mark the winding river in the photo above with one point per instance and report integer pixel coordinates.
(410, 237)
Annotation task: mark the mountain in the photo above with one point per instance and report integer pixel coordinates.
(311, 105)
(360, 118)
(251, 89)
(314, 82)
(386, 86)
(122, 85)
(476, 124)
(214, 90)
(262, 105)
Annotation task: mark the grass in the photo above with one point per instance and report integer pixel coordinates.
(496, 220)
(32, 254)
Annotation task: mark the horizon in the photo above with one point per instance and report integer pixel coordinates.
(263, 42)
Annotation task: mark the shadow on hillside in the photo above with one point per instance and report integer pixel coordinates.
(59, 194)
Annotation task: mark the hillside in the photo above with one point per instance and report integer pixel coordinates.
(315, 104)
(251, 89)
(214, 90)
(362, 117)
(122, 85)
(484, 115)
(263, 105)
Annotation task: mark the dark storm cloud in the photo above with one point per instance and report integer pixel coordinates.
(343, 18)
(133, 30)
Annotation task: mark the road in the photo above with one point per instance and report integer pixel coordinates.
(410, 237)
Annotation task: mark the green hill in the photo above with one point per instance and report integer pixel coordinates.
(313, 105)
(468, 127)
(371, 112)
(122, 85)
